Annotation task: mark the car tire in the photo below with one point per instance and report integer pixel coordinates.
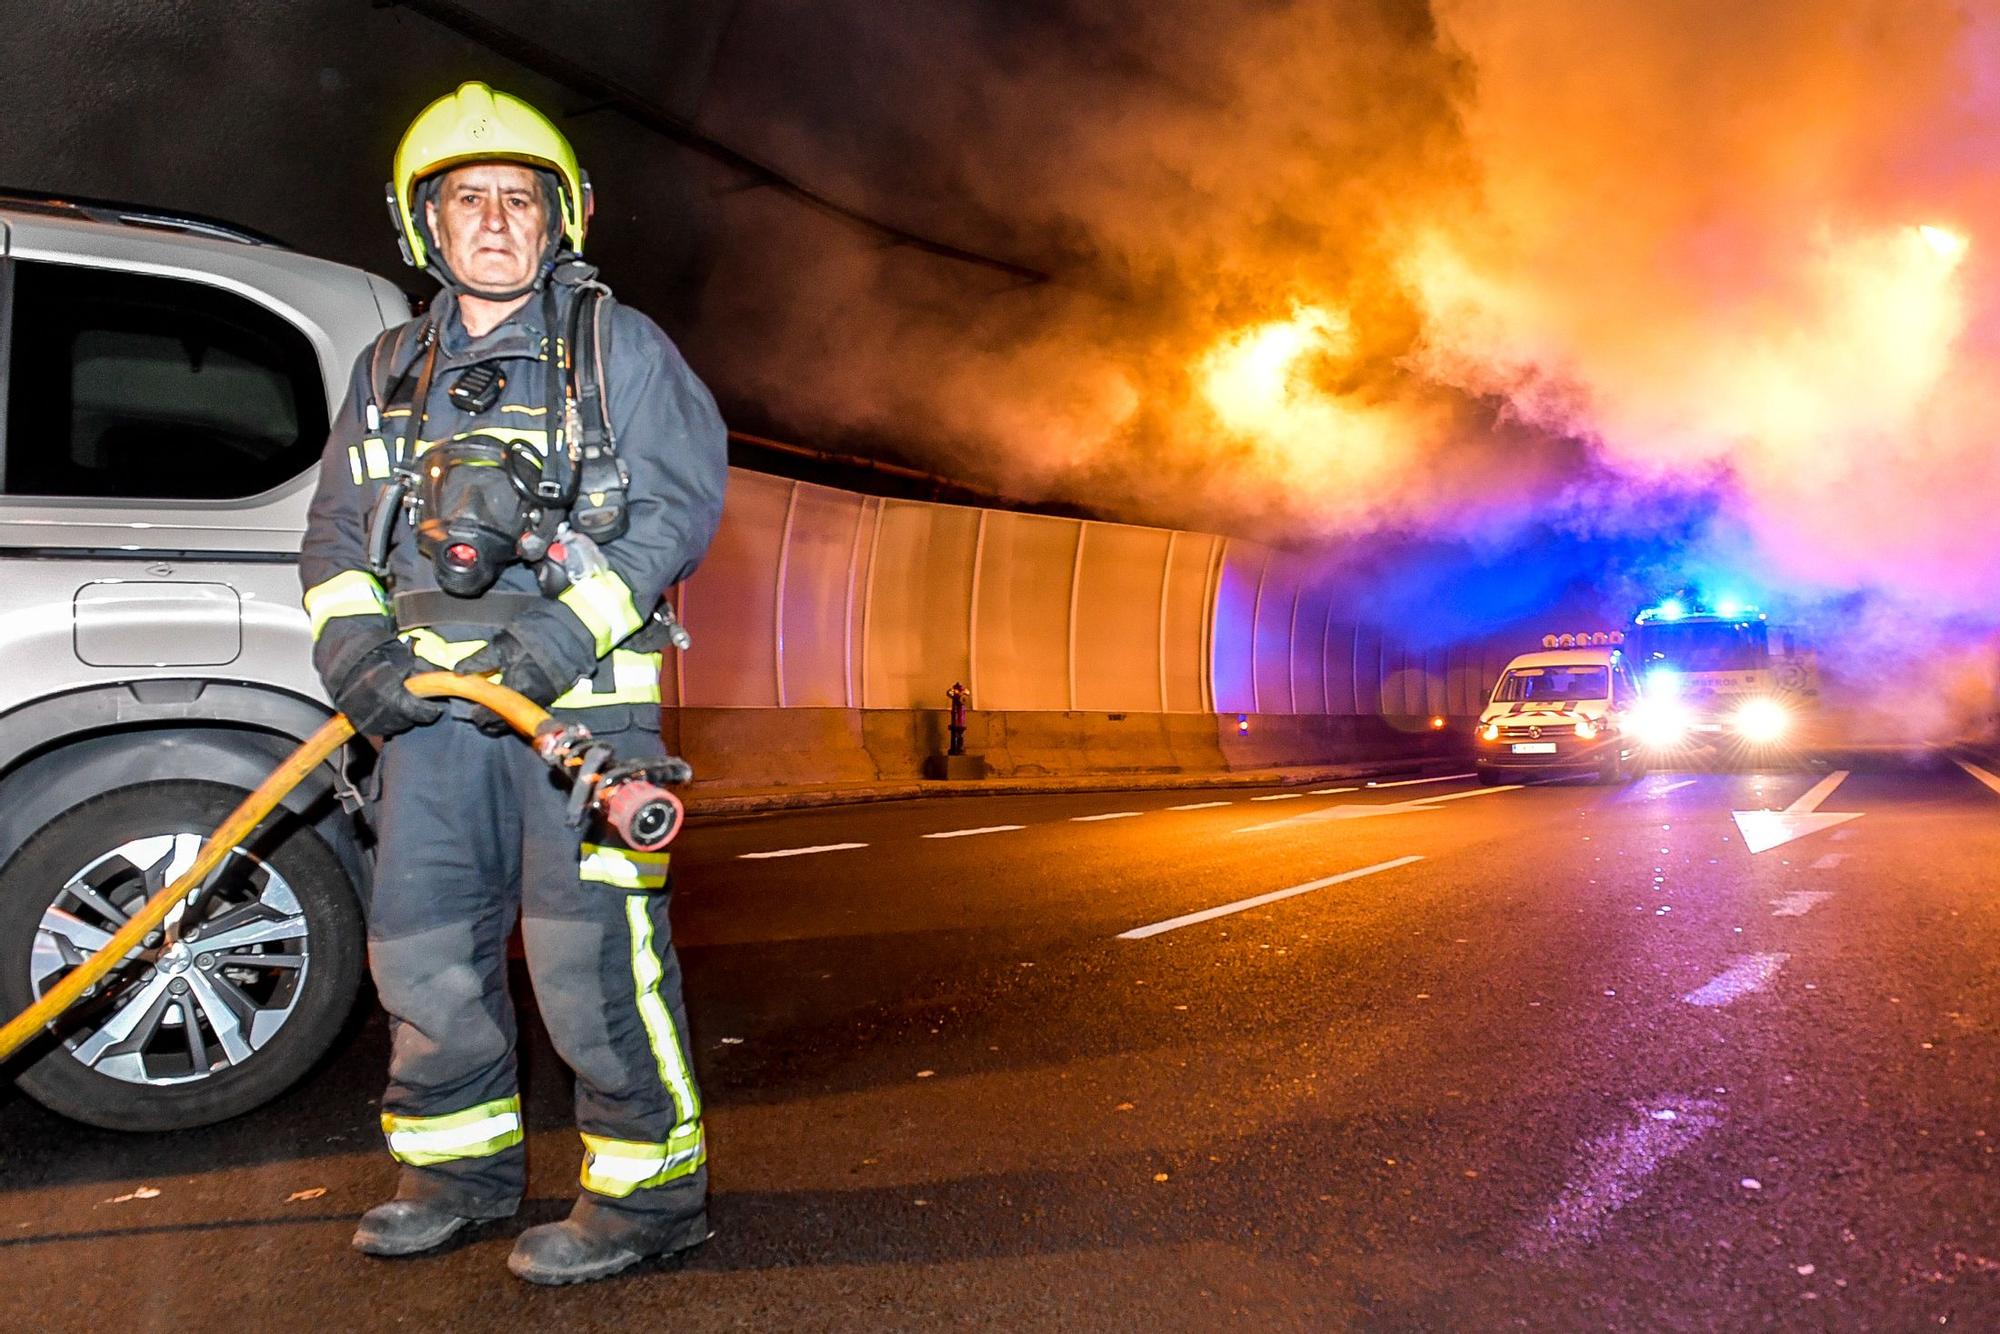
(199, 1036)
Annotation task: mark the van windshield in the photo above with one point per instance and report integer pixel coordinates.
(1538, 685)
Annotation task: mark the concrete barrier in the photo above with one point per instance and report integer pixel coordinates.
(817, 746)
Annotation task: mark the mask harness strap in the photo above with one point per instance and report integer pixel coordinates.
(382, 523)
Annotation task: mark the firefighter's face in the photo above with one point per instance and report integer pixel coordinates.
(491, 220)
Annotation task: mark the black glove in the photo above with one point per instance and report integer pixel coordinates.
(374, 698)
(540, 656)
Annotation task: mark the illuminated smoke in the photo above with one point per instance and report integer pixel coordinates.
(1707, 283)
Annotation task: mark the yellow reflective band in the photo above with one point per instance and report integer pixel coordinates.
(617, 1167)
(349, 593)
(435, 649)
(522, 407)
(377, 454)
(647, 973)
(476, 1132)
(603, 602)
(635, 679)
(354, 464)
(603, 864)
(397, 412)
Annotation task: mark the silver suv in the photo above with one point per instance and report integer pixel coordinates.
(165, 388)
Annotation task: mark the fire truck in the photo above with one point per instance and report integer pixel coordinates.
(1719, 673)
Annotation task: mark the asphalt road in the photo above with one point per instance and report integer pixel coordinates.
(1556, 1057)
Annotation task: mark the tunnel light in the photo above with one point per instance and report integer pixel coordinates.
(1762, 721)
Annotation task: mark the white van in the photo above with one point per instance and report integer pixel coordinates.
(1561, 711)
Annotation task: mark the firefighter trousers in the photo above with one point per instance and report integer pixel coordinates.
(471, 834)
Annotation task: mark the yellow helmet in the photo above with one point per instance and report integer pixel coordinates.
(477, 124)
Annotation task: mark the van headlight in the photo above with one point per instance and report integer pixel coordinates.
(1490, 732)
(1762, 721)
(1585, 729)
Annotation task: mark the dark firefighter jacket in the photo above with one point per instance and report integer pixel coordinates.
(668, 434)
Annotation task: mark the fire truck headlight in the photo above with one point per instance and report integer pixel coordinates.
(1762, 721)
(1660, 724)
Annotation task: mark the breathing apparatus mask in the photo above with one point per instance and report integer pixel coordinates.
(469, 510)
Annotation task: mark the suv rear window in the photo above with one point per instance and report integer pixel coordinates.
(135, 386)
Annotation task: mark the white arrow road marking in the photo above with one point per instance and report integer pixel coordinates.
(1986, 776)
(1799, 903)
(1746, 973)
(798, 852)
(1110, 815)
(1828, 862)
(983, 829)
(1764, 830)
(1616, 1168)
(1672, 787)
(1353, 811)
(1210, 914)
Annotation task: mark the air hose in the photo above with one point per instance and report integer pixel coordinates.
(629, 797)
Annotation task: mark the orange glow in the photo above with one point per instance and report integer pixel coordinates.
(1276, 387)
(1948, 244)
(1257, 379)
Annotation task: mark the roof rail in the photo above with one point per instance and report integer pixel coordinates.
(130, 215)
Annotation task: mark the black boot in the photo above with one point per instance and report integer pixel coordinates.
(407, 1227)
(573, 1252)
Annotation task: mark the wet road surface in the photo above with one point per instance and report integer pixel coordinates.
(1419, 1056)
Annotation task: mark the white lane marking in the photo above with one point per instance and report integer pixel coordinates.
(1746, 973)
(1764, 830)
(1986, 776)
(983, 829)
(798, 852)
(1799, 902)
(1201, 805)
(1361, 811)
(1210, 914)
(1412, 782)
(1817, 794)
(1673, 787)
(1828, 862)
(1280, 796)
(1460, 796)
(1111, 815)
(1332, 791)
(1616, 1168)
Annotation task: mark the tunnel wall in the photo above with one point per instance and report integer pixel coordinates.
(1088, 647)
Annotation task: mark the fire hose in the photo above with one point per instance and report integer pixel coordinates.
(631, 798)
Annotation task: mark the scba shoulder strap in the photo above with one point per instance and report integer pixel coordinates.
(598, 504)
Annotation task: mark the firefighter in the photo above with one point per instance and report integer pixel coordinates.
(551, 466)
